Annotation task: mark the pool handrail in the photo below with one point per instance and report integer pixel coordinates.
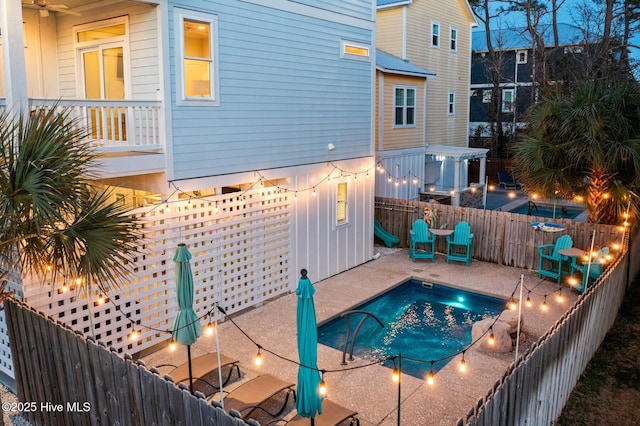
(345, 315)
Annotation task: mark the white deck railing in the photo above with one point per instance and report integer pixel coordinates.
(113, 125)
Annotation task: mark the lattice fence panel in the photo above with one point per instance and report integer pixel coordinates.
(240, 244)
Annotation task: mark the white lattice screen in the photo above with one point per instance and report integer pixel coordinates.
(240, 244)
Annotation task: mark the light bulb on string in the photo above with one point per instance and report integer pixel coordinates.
(395, 374)
(323, 386)
(463, 364)
(544, 306)
(492, 338)
(528, 302)
(560, 297)
(430, 376)
(295, 196)
(314, 191)
(134, 334)
(172, 345)
(258, 359)
(209, 329)
(512, 304)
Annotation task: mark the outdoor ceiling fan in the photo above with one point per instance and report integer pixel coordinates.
(44, 7)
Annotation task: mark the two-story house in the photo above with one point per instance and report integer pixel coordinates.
(422, 119)
(516, 61)
(242, 128)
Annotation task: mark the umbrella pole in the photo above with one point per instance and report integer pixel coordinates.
(190, 372)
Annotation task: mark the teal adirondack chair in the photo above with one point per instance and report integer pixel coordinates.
(422, 243)
(596, 268)
(459, 244)
(551, 254)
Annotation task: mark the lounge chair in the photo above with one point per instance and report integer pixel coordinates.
(506, 181)
(203, 366)
(551, 254)
(596, 268)
(332, 415)
(460, 244)
(422, 241)
(251, 396)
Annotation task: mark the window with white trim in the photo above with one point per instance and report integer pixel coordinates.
(507, 100)
(435, 34)
(357, 51)
(521, 56)
(453, 32)
(197, 58)
(341, 203)
(486, 96)
(405, 106)
(452, 103)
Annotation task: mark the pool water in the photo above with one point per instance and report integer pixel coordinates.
(546, 210)
(423, 321)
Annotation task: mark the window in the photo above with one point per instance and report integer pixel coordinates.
(357, 51)
(521, 56)
(452, 103)
(486, 96)
(341, 199)
(405, 106)
(435, 34)
(454, 39)
(196, 66)
(507, 100)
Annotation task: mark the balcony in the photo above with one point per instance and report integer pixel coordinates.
(128, 135)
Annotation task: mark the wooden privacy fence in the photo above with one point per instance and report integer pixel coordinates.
(534, 390)
(64, 379)
(499, 237)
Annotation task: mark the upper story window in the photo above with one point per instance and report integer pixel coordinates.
(452, 103)
(507, 100)
(486, 96)
(435, 34)
(454, 38)
(357, 51)
(341, 203)
(521, 56)
(405, 106)
(196, 59)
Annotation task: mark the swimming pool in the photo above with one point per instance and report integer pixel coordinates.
(546, 210)
(423, 321)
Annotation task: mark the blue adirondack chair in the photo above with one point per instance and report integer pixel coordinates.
(596, 268)
(459, 244)
(551, 254)
(422, 243)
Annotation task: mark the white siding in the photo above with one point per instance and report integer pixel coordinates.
(400, 165)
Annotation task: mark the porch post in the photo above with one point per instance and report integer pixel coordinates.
(13, 57)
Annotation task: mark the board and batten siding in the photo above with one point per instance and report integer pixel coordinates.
(402, 137)
(285, 94)
(144, 53)
(451, 68)
(405, 165)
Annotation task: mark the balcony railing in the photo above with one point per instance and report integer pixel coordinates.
(112, 125)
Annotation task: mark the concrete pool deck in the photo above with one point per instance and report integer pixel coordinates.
(369, 390)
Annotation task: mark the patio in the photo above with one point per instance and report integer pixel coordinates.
(370, 390)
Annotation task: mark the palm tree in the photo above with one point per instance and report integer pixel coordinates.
(585, 141)
(52, 219)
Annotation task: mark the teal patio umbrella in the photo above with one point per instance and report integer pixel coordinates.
(309, 401)
(186, 327)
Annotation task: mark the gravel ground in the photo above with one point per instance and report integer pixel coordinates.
(10, 417)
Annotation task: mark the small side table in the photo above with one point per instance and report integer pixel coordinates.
(572, 253)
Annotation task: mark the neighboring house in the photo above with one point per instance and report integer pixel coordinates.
(435, 44)
(517, 88)
(242, 128)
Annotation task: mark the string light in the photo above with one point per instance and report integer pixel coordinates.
(395, 374)
(314, 191)
(512, 304)
(560, 297)
(492, 338)
(323, 386)
(295, 196)
(544, 306)
(172, 345)
(208, 330)
(463, 364)
(258, 359)
(134, 334)
(528, 301)
(430, 376)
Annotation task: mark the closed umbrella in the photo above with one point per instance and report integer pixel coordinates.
(186, 327)
(309, 401)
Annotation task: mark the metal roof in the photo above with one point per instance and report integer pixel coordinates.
(391, 3)
(392, 64)
(519, 38)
